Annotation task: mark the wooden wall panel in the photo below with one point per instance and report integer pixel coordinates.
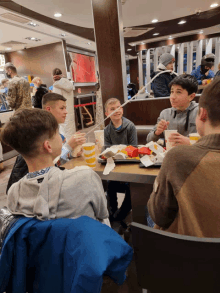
(133, 64)
(39, 61)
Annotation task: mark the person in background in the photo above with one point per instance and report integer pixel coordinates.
(65, 88)
(182, 115)
(5, 83)
(205, 71)
(19, 93)
(41, 89)
(48, 192)
(160, 85)
(218, 72)
(119, 131)
(185, 197)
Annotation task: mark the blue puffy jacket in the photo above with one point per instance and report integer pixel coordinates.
(199, 76)
(160, 85)
(61, 256)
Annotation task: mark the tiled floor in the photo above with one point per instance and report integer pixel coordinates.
(130, 285)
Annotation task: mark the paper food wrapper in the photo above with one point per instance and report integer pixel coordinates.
(120, 156)
(109, 166)
(155, 147)
(99, 138)
(146, 161)
(76, 151)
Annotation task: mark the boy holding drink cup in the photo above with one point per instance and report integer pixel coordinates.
(182, 115)
(185, 197)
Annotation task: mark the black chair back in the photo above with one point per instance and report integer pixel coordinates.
(172, 263)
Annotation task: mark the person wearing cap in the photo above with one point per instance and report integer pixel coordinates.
(205, 71)
(160, 85)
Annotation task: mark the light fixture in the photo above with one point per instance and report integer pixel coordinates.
(63, 35)
(154, 20)
(142, 43)
(214, 5)
(201, 32)
(129, 49)
(33, 39)
(33, 24)
(170, 37)
(89, 43)
(182, 22)
(155, 34)
(57, 14)
(8, 49)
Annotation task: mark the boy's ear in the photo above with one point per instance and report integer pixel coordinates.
(48, 108)
(203, 114)
(192, 96)
(47, 146)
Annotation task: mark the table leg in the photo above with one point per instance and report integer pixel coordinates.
(140, 194)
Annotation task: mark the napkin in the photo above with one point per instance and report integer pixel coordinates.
(109, 166)
(146, 161)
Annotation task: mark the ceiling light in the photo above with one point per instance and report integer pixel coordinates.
(170, 37)
(201, 32)
(89, 43)
(214, 5)
(156, 34)
(182, 22)
(63, 35)
(57, 14)
(129, 49)
(33, 24)
(8, 49)
(154, 20)
(142, 43)
(32, 39)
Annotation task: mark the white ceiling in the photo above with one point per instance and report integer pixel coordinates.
(135, 12)
(12, 31)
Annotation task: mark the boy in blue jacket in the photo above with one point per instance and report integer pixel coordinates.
(205, 71)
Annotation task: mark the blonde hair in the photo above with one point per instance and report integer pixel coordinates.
(110, 102)
(36, 79)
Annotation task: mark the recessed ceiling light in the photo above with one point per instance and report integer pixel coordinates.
(8, 49)
(154, 20)
(170, 37)
(182, 22)
(201, 32)
(89, 43)
(214, 5)
(57, 14)
(33, 24)
(32, 39)
(63, 35)
(129, 49)
(156, 34)
(142, 43)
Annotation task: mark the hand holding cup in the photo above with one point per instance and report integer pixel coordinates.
(161, 126)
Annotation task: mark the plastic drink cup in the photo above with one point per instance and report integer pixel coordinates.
(167, 135)
(99, 138)
(89, 154)
(194, 137)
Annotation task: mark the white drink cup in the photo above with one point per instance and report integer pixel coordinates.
(167, 134)
(194, 137)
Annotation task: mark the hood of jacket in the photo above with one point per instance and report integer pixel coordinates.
(64, 84)
(36, 197)
(125, 124)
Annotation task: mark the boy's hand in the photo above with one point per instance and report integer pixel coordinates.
(80, 153)
(77, 139)
(204, 82)
(178, 139)
(161, 126)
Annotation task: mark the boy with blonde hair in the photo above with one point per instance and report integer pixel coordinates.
(119, 131)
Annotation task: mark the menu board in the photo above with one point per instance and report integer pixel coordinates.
(83, 68)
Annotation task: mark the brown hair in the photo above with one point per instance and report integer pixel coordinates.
(110, 102)
(210, 100)
(27, 128)
(51, 98)
(57, 71)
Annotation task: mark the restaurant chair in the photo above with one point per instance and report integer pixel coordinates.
(172, 263)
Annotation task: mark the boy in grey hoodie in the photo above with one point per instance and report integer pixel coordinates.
(119, 131)
(182, 115)
(48, 192)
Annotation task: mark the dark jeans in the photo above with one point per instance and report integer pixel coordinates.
(115, 187)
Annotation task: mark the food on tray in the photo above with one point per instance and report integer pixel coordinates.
(154, 147)
(144, 151)
(132, 151)
(120, 156)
